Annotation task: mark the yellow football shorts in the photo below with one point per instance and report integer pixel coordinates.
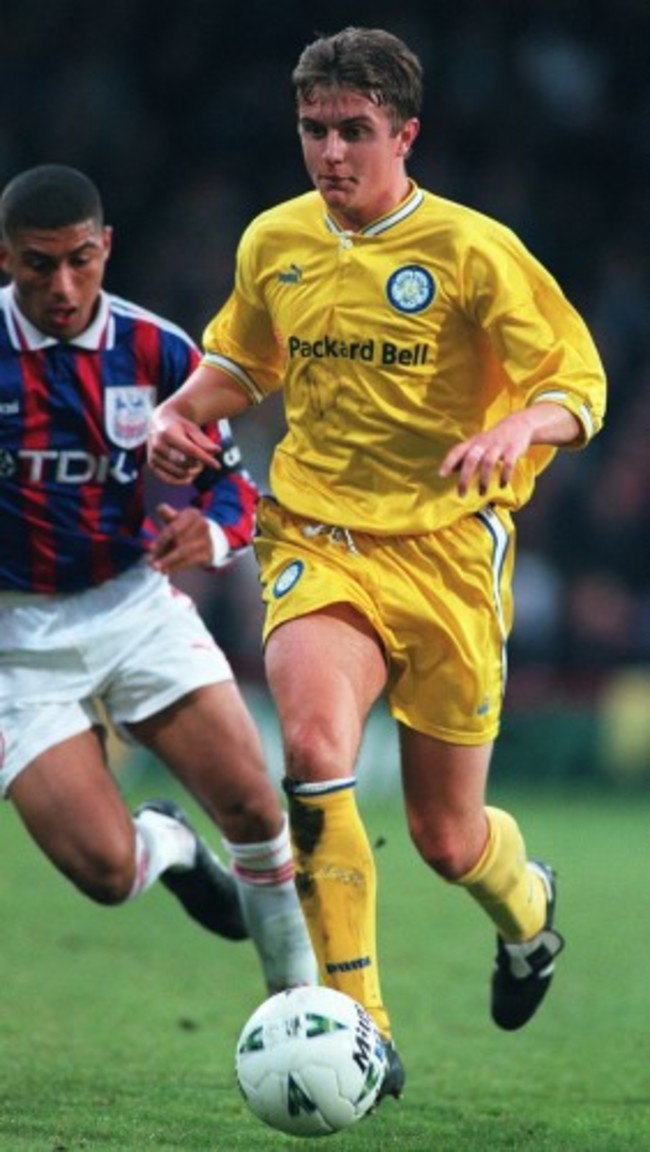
(440, 603)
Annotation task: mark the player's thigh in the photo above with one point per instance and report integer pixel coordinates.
(444, 795)
(73, 809)
(210, 742)
(325, 669)
(324, 649)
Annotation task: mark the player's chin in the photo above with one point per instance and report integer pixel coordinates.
(335, 192)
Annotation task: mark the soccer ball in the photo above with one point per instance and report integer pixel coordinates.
(310, 1061)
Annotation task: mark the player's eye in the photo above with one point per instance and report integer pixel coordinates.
(39, 264)
(353, 132)
(316, 131)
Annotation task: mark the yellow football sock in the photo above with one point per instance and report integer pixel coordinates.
(337, 885)
(513, 896)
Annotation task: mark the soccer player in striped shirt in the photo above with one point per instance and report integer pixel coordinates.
(430, 368)
(90, 623)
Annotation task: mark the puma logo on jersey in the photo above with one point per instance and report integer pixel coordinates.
(293, 276)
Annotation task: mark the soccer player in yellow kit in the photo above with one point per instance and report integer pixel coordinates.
(430, 369)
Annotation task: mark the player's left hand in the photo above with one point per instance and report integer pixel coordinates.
(183, 542)
(490, 455)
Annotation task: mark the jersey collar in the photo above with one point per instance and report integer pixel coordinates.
(411, 204)
(25, 335)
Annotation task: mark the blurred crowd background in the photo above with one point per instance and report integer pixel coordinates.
(536, 113)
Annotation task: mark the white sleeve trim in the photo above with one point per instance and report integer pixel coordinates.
(579, 409)
(220, 545)
(242, 377)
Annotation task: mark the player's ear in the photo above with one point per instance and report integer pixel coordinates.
(4, 259)
(107, 238)
(407, 136)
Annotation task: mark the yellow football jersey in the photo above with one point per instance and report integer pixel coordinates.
(392, 344)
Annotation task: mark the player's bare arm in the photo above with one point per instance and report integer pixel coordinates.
(177, 449)
(496, 451)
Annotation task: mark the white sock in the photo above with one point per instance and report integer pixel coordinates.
(160, 843)
(264, 876)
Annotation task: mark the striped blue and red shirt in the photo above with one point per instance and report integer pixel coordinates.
(73, 423)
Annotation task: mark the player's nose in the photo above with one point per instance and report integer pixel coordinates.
(333, 146)
(62, 281)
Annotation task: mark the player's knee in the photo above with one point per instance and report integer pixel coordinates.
(245, 808)
(257, 817)
(311, 753)
(107, 878)
(443, 849)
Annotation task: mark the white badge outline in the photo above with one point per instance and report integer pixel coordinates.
(288, 578)
(410, 288)
(145, 394)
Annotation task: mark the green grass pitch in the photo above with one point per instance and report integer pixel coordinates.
(118, 1026)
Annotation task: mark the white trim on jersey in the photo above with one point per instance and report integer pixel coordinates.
(18, 325)
(123, 307)
(100, 333)
(242, 377)
(555, 396)
(386, 222)
(501, 541)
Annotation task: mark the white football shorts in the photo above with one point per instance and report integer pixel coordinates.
(135, 643)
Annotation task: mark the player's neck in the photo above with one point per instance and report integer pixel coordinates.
(356, 218)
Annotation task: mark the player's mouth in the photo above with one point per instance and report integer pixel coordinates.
(61, 317)
(331, 183)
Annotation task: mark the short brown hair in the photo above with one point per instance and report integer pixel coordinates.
(369, 60)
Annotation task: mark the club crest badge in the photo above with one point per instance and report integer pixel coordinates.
(411, 288)
(127, 409)
(288, 578)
